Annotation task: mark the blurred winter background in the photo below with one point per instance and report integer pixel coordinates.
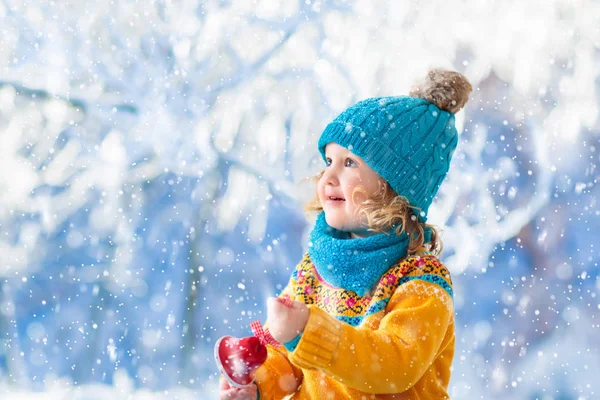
(152, 164)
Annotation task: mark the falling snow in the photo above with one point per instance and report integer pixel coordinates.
(153, 160)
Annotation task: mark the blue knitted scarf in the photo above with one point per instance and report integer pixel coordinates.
(355, 264)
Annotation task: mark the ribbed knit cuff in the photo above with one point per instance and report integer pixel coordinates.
(319, 341)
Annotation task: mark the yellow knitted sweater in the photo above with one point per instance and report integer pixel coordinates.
(395, 343)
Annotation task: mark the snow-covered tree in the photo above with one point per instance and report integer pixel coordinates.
(153, 161)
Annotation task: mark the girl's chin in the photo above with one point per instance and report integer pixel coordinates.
(341, 224)
(334, 221)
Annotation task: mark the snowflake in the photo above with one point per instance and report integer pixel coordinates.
(239, 367)
(230, 343)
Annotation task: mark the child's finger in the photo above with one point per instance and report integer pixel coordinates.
(229, 394)
(223, 384)
(298, 305)
(238, 394)
(273, 305)
(248, 393)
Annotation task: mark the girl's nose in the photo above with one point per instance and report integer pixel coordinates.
(329, 177)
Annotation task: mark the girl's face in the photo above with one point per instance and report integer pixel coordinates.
(344, 172)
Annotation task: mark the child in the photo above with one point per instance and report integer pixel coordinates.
(373, 315)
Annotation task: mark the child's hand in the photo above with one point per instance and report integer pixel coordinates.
(228, 392)
(285, 323)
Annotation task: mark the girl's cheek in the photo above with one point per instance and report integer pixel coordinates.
(319, 189)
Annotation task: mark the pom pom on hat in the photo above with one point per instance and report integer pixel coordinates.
(448, 90)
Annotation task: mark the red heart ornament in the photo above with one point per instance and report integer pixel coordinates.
(237, 359)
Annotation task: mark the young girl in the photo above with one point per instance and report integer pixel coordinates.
(373, 315)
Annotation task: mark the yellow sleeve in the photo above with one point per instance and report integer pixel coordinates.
(390, 359)
(277, 377)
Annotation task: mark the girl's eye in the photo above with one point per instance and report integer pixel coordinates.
(348, 163)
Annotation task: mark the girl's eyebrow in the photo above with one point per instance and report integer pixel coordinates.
(346, 155)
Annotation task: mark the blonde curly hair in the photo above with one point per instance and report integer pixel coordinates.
(385, 209)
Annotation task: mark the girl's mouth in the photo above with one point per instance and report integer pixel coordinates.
(334, 201)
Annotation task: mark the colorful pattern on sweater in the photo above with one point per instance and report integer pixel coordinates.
(351, 308)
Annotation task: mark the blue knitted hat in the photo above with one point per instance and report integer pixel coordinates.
(407, 140)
